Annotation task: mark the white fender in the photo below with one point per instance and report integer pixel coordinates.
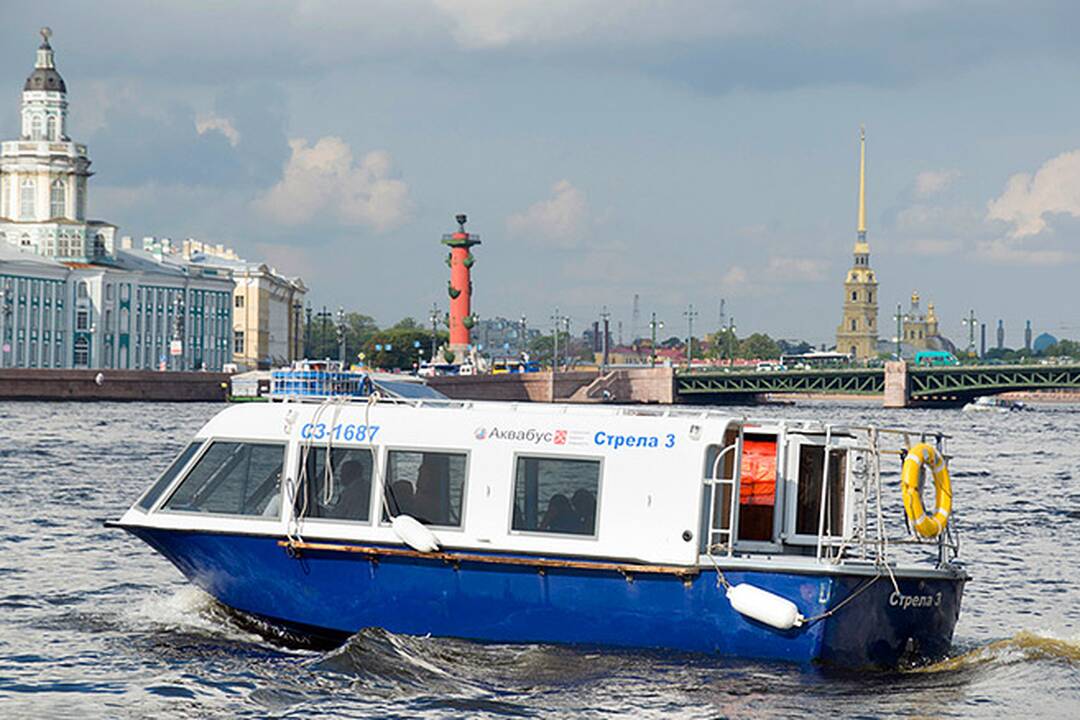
(764, 606)
(414, 534)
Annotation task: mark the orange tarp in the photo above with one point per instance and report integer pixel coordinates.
(757, 484)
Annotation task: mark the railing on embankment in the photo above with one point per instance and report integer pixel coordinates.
(130, 385)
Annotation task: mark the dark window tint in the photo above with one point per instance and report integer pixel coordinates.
(811, 476)
(342, 494)
(233, 478)
(169, 475)
(429, 486)
(556, 496)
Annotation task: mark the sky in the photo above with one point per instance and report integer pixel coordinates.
(686, 152)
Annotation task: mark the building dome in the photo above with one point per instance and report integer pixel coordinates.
(46, 79)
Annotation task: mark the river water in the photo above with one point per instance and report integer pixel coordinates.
(94, 624)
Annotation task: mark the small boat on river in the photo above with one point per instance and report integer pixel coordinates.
(993, 404)
(681, 528)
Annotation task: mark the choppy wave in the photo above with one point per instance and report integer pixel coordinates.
(1024, 646)
(95, 624)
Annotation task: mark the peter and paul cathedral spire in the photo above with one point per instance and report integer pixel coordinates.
(862, 186)
(857, 333)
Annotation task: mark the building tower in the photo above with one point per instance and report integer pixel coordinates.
(460, 261)
(1001, 335)
(1027, 336)
(857, 334)
(43, 174)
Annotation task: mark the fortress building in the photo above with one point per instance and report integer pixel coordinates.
(857, 334)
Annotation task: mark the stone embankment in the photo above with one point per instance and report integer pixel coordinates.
(633, 385)
(130, 385)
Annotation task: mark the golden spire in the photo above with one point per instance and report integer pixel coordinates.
(861, 229)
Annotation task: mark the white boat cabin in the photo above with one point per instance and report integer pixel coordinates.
(640, 484)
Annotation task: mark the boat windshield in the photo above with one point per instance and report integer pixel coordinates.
(233, 478)
(151, 496)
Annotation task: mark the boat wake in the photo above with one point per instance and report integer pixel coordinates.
(189, 610)
(1024, 646)
(427, 673)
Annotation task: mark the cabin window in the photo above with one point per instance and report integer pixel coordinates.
(233, 478)
(343, 495)
(556, 495)
(811, 476)
(427, 485)
(169, 475)
(757, 488)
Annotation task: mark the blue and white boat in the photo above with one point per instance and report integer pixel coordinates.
(599, 525)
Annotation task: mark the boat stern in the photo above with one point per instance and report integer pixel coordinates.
(888, 625)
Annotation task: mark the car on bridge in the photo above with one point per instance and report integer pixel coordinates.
(935, 358)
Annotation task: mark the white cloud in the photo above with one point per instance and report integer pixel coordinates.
(735, 280)
(215, 123)
(932, 182)
(1008, 252)
(797, 269)
(561, 220)
(322, 179)
(1028, 199)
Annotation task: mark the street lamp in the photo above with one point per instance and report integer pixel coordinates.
(297, 345)
(971, 322)
(434, 329)
(653, 325)
(900, 318)
(555, 348)
(524, 336)
(690, 314)
(729, 342)
(341, 334)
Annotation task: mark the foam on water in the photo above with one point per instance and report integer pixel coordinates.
(1024, 646)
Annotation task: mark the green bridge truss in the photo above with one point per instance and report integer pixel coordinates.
(697, 384)
(926, 384)
(973, 380)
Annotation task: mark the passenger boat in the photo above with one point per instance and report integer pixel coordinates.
(990, 403)
(680, 528)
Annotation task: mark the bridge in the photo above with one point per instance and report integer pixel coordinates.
(902, 385)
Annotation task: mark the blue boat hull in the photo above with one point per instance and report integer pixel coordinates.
(335, 594)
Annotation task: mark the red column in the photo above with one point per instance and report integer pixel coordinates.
(461, 261)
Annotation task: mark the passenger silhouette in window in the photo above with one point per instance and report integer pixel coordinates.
(584, 503)
(428, 505)
(355, 491)
(560, 515)
(401, 498)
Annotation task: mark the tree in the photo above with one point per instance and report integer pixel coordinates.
(758, 346)
(1062, 348)
(541, 349)
(397, 348)
(723, 344)
(794, 347)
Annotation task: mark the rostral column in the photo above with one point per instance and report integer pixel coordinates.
(460, 261)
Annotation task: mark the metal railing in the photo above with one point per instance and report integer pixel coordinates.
(869, 532)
